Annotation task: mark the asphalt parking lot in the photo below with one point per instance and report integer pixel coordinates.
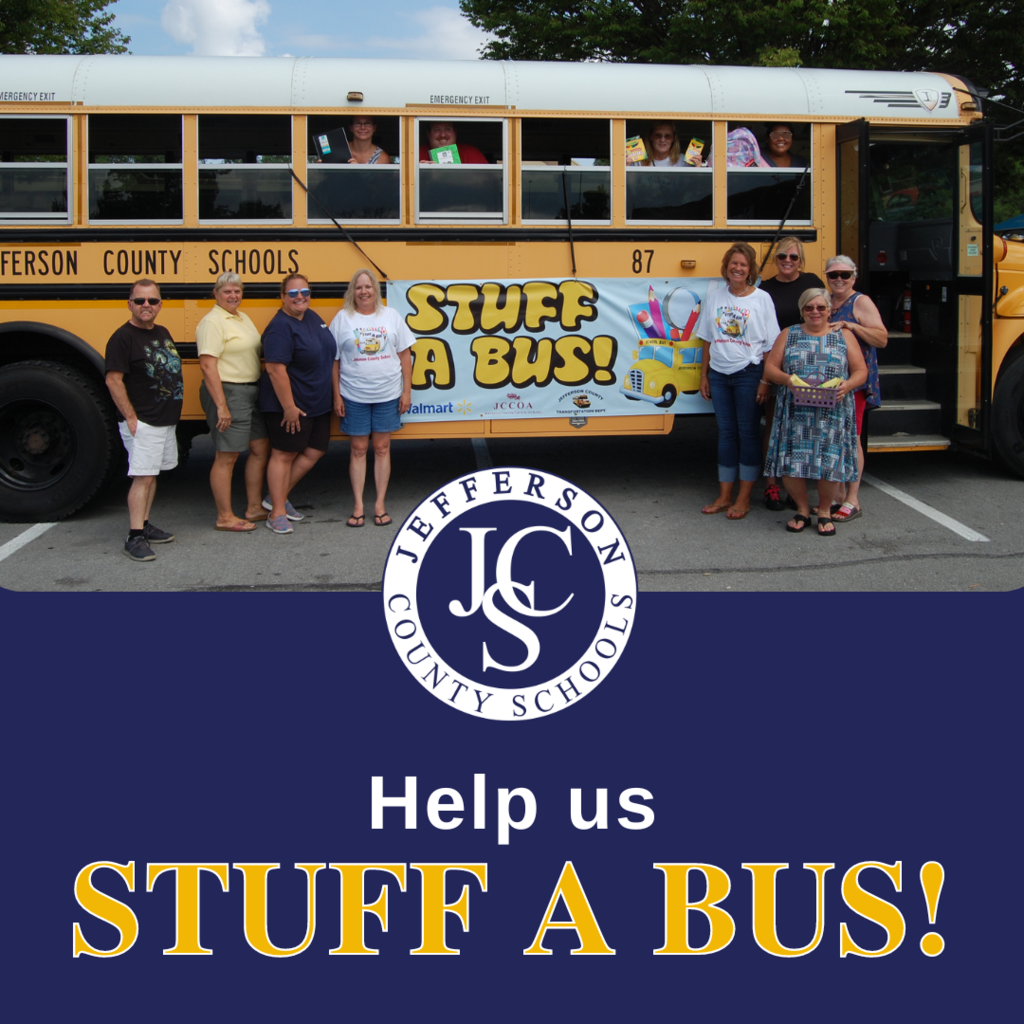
(654, 487)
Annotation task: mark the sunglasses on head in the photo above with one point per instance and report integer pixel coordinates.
(294, 293)
(142, 302)
(844, 274)
(794, 256)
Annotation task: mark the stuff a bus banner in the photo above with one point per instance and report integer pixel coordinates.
(553, 347)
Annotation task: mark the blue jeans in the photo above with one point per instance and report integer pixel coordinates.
(739, 422)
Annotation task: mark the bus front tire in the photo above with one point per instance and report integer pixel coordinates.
(58, 438)
(668, 396)
(1008, 416)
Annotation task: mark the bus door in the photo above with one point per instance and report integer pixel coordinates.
(926, 260)
(852, 192)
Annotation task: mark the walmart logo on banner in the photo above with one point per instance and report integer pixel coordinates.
(510, 594)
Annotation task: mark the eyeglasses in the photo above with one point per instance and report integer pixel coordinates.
(294, 293)
(363, 124)
(816, 309)
(844, 274)
(142, 302)
(794, 256)
(780, 135)
(663, 135)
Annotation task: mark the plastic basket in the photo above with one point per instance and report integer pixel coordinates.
(818, 398)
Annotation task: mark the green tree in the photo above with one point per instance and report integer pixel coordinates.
(59, 26)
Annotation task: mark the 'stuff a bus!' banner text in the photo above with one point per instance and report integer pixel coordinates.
(552, 348)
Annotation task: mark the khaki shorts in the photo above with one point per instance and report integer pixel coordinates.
(247, 424)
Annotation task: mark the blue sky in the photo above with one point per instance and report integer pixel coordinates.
(302, 28)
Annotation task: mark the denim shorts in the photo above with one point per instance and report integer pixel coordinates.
(364, 418)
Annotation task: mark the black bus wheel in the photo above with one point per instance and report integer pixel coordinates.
(668, 396)
(1008, 416)
(57, 440)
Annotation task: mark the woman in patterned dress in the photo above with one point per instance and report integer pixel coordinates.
(810, 442)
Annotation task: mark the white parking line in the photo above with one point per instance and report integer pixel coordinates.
(24, 538)
(483, 456)
(926, 510)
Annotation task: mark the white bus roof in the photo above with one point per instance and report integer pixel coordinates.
(318, 82)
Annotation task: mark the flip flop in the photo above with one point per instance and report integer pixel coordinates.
(382, 519)
(846, 512)
(356, 521)
(239, 526)
(713, 510)
(802, 520)
(733, 514)
(822, 520)
(258, 518)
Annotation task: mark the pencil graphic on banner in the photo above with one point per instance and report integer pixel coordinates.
(655, 305)
(643, 318)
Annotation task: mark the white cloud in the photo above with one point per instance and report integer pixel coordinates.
(218, 28)
(444, 34)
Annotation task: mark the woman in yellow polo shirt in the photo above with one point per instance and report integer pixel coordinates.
(229, 356)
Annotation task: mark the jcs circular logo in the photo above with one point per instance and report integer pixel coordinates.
(509, 593)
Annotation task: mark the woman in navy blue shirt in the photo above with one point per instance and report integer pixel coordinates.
(297, 396)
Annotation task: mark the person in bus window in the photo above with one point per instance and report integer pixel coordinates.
(443, 133)
(778, 145)
(361, 144)
(229, 356)
(785, 289)
(858, 314)
(663, 146)
(737, 325)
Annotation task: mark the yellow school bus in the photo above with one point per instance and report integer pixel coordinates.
(178, 169)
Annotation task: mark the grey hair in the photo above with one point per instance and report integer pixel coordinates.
(350, 292)
(841, 261)
(813, 293)
(228, 277)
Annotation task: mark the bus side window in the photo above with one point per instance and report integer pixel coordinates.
(765, 161)
(135, 175)
(353, 192)
(460, 170)
(562, 155)
(243, 167)
(668, 171)
(34, 168)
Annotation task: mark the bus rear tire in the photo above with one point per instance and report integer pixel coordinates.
(1008, 416)
(57, 440)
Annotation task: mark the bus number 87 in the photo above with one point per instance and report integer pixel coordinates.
(638, 260)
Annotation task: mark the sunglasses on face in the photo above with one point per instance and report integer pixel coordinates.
(781, 135)
(795, 257)
(142, 302)
(816, 309)
(844, 274)
(294, 293)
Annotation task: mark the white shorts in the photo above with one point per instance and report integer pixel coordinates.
(151, 450)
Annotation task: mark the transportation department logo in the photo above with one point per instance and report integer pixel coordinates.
(509, 594)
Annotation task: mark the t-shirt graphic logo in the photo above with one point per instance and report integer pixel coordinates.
(509, 593)
(507, 588)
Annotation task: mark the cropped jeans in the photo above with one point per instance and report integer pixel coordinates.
(739, 422)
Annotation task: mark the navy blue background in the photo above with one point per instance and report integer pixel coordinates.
(257, 743)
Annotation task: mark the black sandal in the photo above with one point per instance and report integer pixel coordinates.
(803, 520)
(826, 533)
(355, 521)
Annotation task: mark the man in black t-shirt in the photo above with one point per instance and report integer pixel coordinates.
(144, 379)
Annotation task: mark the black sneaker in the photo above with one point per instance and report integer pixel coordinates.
(773, 499)
(155, 535)
(138, 550)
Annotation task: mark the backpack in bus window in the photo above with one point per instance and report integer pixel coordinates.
(742, 149)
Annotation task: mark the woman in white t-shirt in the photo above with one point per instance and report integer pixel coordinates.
(738, 327)
(372, 386)
(663, 148)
